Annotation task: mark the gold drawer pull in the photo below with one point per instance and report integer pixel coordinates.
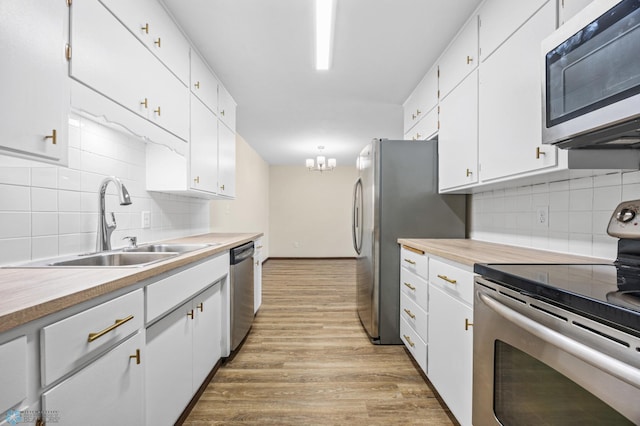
(415, 250)
(469, 172)
(410, 286)
(222, 188)
(118, 323)
(408, 339)
(410, 261)
(467, 324)
(259, 247)
(410, 313)
(200, 306)
(136, 356)
(447, 279)
(539, 153)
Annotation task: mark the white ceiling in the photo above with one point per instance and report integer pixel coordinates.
(263, 52)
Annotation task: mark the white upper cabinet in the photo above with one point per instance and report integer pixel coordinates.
(458, 136)
(423, 99)
(460, 58)
(510, 136)
(203, 83)
(226, 162)
(108, 59)
(226, 108)
(499, 19)
(33, 79)
(568, 8)
(148, 21)
(204, 148)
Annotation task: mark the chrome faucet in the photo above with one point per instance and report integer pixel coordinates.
(103, 242)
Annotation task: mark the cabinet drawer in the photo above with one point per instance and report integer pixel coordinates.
(414, 315)
(13, 370)
(414, 287)
(455, 281)
(415, 344)
(415, 261)
(165, 294)
(65, 344)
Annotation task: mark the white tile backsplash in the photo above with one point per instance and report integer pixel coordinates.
(46, 211)
(579, 212)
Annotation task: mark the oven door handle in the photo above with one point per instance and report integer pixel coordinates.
(595, 358)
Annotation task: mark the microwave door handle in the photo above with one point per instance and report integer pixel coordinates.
(597, 359)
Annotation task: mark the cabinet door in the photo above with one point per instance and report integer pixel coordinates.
(426, 129)
(168, 101)
(148, 21)
(107, 392)
(423, 99)
(501, 18)
(460, 58)
(13, 370)
(108, 59)
(169, 366)
(203, 83)
(204, 148)
(450, 353)
(568, 9)
(226, 108)
(226, 161)
(33, 79)
(510, 136)
(458, 136)
(207, 333)
(257, 275)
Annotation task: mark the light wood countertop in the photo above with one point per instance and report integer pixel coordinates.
(469, 252)
(27, 294)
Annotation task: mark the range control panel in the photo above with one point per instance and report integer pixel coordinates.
(625, 220)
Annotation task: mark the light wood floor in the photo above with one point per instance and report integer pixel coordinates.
(307, 360)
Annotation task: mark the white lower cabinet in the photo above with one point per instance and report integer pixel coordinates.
(451, 352)
(13, 369)
(108, 391)
(182, 349)
(257, 274)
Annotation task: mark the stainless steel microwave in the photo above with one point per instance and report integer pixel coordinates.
(591, 84)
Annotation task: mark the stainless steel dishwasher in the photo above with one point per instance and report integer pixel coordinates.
(241, 285)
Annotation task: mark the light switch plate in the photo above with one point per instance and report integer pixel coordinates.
(542, 217)
(146, 220)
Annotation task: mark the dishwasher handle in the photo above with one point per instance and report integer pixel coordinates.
(240, 253)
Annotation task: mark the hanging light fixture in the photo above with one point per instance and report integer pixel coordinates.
(321, 164)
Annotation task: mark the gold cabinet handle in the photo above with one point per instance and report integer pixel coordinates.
(408, 339)
(259, 247)
(411, 314)
(157, 111)
(136, 356)
(410, 261)
(410, 286)
(447, 279)
(417, 137)
(467, 324)
(539, 153)
(469, 172)
(145, 103)
(145, 28)
(197, 179)
(413, 116)
(157, 42)
(200, 306)
(414, 250)
(469, 59)
(197, 85)
(222, 113)
(53, 136)
(118, 323)
(418, 112)
(190, 314)
(257, 262)
(222, 188)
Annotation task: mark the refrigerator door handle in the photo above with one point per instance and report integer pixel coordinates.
(356, 223)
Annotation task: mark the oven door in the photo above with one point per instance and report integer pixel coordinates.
(591, 71)
(534, 364)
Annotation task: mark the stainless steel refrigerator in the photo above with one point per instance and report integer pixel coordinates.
(395, 196)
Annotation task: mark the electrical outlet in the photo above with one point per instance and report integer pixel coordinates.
(542, 217)
(146, 220)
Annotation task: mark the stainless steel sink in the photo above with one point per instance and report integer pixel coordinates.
(118, 259)
(167, 248)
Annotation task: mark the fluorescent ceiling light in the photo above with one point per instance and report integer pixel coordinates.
(325, 16)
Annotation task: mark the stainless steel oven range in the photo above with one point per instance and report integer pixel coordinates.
(560, 344)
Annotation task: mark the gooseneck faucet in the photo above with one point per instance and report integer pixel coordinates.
(105, 229)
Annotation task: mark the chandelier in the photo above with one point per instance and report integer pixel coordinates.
(321, 164)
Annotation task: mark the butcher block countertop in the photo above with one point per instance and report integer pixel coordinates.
(469, 252)
(27, 294)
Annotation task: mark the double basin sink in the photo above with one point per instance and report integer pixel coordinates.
(128, 257)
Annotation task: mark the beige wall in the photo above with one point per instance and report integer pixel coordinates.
(249, 212)
(310, 212)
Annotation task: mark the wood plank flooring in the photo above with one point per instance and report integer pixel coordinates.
(308, 361)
